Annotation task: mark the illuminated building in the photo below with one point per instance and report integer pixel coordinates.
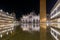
(6, 22)
(55, 14)
(55, 21)
(30, 22)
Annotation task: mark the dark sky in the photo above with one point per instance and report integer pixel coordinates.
(20, 7)
(49, 5)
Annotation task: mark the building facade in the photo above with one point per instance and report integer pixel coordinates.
(55, 21)
(55, 14)
(6, 22)
(30, 22)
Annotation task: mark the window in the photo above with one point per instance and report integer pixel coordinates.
(33, 25)
(34, 21)
(58, 9)
(53, 13)
(30, 16)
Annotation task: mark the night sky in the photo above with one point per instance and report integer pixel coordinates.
(49, 5)
(20, 7)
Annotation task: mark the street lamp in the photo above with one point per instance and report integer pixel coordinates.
(1, 35)
(7, 33)
(1, 10)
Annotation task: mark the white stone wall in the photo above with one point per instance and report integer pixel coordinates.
(30, 22)
(58, 22)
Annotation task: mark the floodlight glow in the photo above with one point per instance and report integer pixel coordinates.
(7, 13)
(10, 31)
(7, 33)
(1, 10)
(1, 35)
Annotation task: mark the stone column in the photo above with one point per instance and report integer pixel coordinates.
(43, 20)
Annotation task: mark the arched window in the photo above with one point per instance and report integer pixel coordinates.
(30, 16)
(33, 25)
(58, 9)
(33, 21)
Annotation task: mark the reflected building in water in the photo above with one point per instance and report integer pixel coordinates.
(30, 22)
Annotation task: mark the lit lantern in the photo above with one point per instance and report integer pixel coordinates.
(1, 35)
(11, 32)
(7, 33)
(1, 10)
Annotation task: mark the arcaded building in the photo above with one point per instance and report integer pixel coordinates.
(7, 22)
(55, 15)
(30, 22)
(55, 21)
